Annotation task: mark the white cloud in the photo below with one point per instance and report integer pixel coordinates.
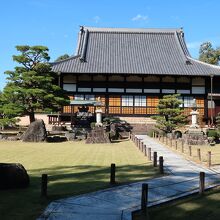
(96, 19)
(140, 17)
(194, 45)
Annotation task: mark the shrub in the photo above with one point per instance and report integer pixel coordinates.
(213, 133)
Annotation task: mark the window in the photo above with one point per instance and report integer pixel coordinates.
(115, 90)
(140, 101)
(90, 97)
(134, 90)
(188, 101)
(84, 89)
(127, 100)
(152, 101)
(168, 91)
(69, 87)
(198, 90)
(99, 89)
(79, 97)
(114, 101)
(151, 90)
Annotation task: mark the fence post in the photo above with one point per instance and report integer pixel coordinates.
(182, 145)
(112, 174)
(161, 165)
(159, 137)
(144, 198)
(142, 147)
(166, 140)
(44, 181)
(176, 144)
(199, 154)
(155, 159)
(209, 162)
(201, 182)
(145, 150)
(171, 142)
(163, 138)
(149, 153)
(190, 150)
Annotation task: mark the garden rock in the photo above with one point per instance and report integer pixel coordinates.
(97, 135)
(70, 136)
(36, 132)
(13, 175)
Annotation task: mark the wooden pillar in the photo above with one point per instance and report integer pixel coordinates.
(209, 162)
(199, 154)
(112, 174)
(144, 197)
(155, 159)
(149, 153)
(182, 145)
(44, 181)
(145, 150)
(201, 182)
(190, 150)
(161, 165)
(176, 144)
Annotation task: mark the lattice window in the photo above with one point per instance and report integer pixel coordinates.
(79, 97)
(67, 109)
(127, 100)
(187, 111)
(127, 110)
(71, 97)
(114, 101)
(141, 111)
(114, 110)
(140, 101)
(152, 111)
(90, 97)
(200, 102)
(188, 101)
(152, 101)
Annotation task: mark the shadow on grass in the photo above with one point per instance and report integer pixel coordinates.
(65, 181)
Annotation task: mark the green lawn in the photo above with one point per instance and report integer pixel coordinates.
(73, 168)
(205, 207)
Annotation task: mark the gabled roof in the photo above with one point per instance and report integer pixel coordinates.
(133, 51)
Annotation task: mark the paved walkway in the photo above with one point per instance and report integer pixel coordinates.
(117, 203)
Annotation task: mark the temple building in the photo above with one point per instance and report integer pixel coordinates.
(129, 70)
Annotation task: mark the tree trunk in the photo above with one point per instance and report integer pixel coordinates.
(31, 117)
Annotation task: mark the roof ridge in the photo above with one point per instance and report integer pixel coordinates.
(133, 30)
(207, 64)
(69, 58)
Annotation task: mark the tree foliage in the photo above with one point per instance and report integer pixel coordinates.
(170, 114)
(31, 86)
(208, 54)
(62, 57)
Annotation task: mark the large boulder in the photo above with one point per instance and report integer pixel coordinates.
(13, 175)
(36, 132)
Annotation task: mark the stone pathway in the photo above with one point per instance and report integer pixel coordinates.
(117, 203)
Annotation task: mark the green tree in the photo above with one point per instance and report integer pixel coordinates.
(32, 86)
(62, 57)
(208, 54)
(170, 114)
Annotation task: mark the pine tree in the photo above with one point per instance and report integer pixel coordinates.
(170, 114)
(32, 86)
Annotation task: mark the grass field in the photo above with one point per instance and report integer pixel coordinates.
(73, 168)
(205, 207)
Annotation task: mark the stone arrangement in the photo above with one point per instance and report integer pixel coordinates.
(97, 135)
(13, 175)
(36, 132)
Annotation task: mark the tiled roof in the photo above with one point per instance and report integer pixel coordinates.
(133, 51)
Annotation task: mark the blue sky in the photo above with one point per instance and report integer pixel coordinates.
(55, 23)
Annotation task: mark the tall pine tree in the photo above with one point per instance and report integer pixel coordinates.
(170, 114)
(32, 86)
